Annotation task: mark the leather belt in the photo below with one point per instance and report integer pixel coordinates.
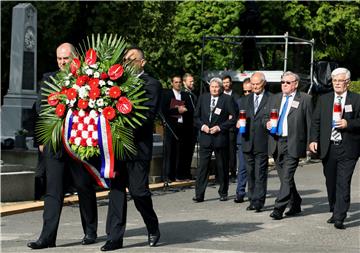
(335, 142)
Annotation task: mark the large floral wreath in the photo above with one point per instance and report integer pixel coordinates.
(93, 106)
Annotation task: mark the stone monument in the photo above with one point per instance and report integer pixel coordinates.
(16, 112)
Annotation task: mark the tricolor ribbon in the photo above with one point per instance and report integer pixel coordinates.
(66, 133)
(106, 150)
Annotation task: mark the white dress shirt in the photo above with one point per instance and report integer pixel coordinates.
(289, 105)
(177, 95)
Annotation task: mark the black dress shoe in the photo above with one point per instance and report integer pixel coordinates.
(112, 245)
(339, 224)
(276, 215)
(195, 199)
(331, 220)
(293, 211)
(153, 239)
(88, 239)
(40, 245)
(239, 200)
(250, 208)
(223, 198)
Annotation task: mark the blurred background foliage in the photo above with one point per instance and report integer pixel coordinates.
(170, 32)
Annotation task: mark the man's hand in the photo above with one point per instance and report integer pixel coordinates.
(41, 148)
(341, 124)
(205, 129)
(313, 146)
(238, 124)
(214, 129)
(268, 125)
(182, 109)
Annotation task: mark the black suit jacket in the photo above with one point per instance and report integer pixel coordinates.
(169, 113)
(256, 136)
(321, 126)
(143, 136)
(226, 108)
(299, 123)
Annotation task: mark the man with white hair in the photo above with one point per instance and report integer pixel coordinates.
(335, 135)
(215, 114)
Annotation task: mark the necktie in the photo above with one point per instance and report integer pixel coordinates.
(256, 104)
(335, 134)
(212, 107)
(282, 117)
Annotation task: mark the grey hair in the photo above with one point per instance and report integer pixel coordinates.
(339, 71)
(289, 73)
(217, 80)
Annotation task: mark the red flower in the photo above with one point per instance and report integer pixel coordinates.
(74, 66)
(114, 92)
(94, 83)
(115, 71)
(109, 113)
(103, 76)
(94, 93)
(83, 142)
(81, 80)
(82, 104)
(60, 110)
(124, 105)
(90, 57)
(53, 99)
(71, 93)
(63, 90)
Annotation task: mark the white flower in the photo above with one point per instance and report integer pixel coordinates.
(89, 142)
(94, 66)
(107, 91)
(84, 134)
(89, 72)
(81, 113)
(76, 87)
(87, 120)
(80, 126)
(100, 109)
(73, 133)
(91, 103)
(96, 74)
(90, 128)
(77, 141)
(75, 119)
(102, 83)
(100, 102)
(69, 75)
(87, 87)
(67, 82)
(71, 102)
(83, 92)
(93, 114)
(94, 135)
(111, 83)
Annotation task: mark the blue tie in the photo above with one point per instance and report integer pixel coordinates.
(282, 117)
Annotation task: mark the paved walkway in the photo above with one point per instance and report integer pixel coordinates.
(211, 226)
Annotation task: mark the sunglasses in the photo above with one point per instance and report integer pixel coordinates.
(247, 91)
(288, 82)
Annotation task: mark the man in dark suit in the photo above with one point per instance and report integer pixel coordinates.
(178, 113)
(227, 84)
(290, 141)
(133, 172)
(337, 140)
(254, 141)
(191, 131)
(56, 165)
(215, 114)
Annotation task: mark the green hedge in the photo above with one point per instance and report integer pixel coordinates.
(355, 86)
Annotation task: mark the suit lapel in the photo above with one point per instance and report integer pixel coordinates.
(262, 102)
(298, 99)
(219, 104)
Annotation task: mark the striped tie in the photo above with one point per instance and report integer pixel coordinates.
(256, 104)
(335, 134)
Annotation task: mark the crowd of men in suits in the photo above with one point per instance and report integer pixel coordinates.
(260, 125)
(255, 126)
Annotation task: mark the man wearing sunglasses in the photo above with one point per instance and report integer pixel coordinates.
(290, 141)
(337, 140)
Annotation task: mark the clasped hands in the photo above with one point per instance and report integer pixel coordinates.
(213, 130)
(181, 109)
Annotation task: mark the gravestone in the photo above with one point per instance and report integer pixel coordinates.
(16, 113)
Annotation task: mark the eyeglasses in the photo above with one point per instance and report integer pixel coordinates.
(247, 91)
(340, 81)
(287, 82)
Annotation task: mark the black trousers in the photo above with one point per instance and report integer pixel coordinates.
(286, 166)
(222, 159)
(338, 171)
(256, 164)
(190, 139)
(135, 175)
(54, 197)
(232, 152)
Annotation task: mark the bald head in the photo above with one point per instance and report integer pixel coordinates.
(135, 56)
(64, 54)
(258, 82)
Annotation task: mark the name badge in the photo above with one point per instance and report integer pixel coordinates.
(295, 104)
(217, 111)
(348, 108)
